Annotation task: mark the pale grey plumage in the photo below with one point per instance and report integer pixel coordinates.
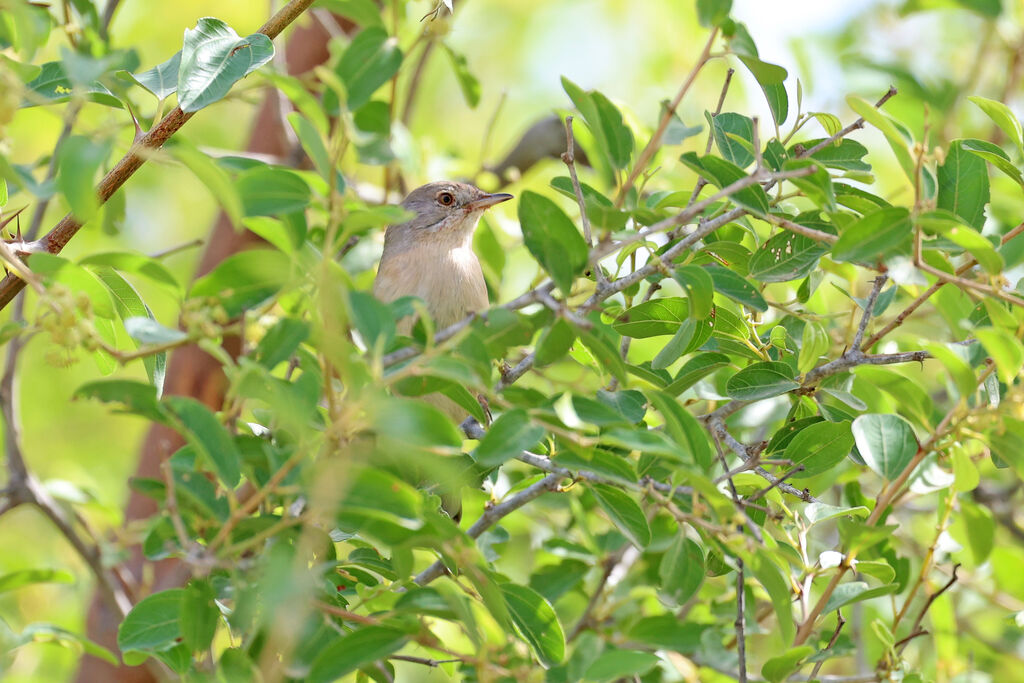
(431, 256)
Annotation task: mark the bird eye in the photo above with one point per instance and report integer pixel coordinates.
(445, 198)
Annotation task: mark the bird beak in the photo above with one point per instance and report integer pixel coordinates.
(488, 200)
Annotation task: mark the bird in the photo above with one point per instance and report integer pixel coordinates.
(431, 256)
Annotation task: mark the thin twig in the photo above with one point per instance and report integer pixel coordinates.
(701, 181)
(859, 123)
(932, 598)
(869, 309)
(569, 158)
(655, 142)
(840, 622)
(741, 632)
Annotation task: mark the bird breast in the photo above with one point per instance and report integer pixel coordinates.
(446, 277)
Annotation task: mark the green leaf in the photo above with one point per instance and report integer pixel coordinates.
(137, 398)
(198, 615)
(696, 369)
(726, 124)
(354, 650)
(614, 665)
(1003, 117)
(979, 530)
(213, 177)
(736, 287)
(552, 239)
(856, 591)
(373, 319)
(874, 236)
(820, 512)
(711, 13)
(414, 423)
(683, 427)
(149, 331)
(963, 185)
(129, 304)
(162, 79)
(642, 440)
(554, 343)
(666, 632)
(681, 570)
(79, 158)
(1005, 349)
(138, 264)
(281, 341)
(820, 447)
(786, 256)
(468, 83)
(536, 621)
(208, 437)
(507, 437)
(994, 155)
(778, 669)
(213, 59)
(897, 142)
(956, 231)
(152, 625)
(605, 122)
(361, 12)
(370, 61)
(48, 633)
(27, 577)
(700, 288)
(722, 173)
(886, 443)
(817, 186)
(268, 191)
(625, 512)
(52, 85)
(653, 318)
(245, 279)
(686, 339)
(986, 8)
(58, 269)
(761, 380)
(845, 155)
(771, 78)
(777, 586)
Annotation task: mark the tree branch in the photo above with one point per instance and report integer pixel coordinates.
(55, 240)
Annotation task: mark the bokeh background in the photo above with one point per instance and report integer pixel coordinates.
(636, 53)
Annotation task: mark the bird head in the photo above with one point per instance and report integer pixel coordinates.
(445, 208)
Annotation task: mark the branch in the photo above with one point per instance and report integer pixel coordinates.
(927, 605)
(570, 161)
(491, 515)
(916, 303)
(869, 309)
(884, 499)
(859, 123)
(716, 426)
(55, 240)
(741, 635)
(666, 118)
(693, 210)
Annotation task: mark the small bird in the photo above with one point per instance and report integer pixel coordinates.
(430, 256)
